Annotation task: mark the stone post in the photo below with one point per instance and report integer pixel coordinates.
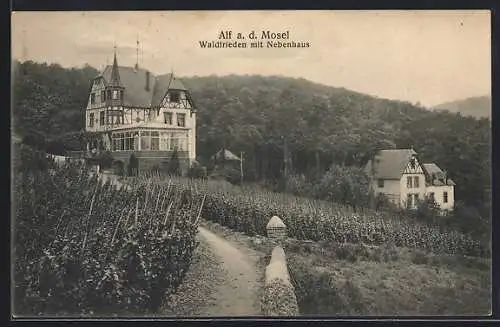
(276, 230)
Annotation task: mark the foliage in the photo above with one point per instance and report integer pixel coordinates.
(321, 125)
(348, 185)
(197, 171)
(279, 299)
(247, 209)
(227, 173)
(50, 99)
(133, 165)
(174, 167)
(299, 185)
(83, 246)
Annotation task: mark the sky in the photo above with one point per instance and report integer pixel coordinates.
(428, 57)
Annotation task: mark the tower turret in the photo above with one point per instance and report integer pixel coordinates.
(114, 95)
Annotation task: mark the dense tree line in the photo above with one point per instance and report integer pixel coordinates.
(48, 102)
(281, 124)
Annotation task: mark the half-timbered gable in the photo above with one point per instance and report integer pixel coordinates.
(399, 175)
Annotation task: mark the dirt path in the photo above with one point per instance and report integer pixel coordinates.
(230, 286)
(238, 294)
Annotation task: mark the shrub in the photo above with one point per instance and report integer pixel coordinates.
(228, 173)
(279, 299)
(298, 185)
(174, 166)
(197, 171)
(97, 248)
(133, 165)
(347, 185)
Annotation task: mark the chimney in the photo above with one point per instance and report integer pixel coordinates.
(147, 80)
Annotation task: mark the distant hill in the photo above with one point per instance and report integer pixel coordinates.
(474, 106)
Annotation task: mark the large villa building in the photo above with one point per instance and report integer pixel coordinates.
(131, 111)
(399, 175)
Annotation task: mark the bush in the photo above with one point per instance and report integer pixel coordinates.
(197, 171)
(347, 185)
(298, 185)
(174, 166)
(133, 165)
(228, 173)
(279, 299)
(83, 246)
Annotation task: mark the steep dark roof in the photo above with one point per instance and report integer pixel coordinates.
(389, 164)
(135, 81)
(432, 168)
(115, 74)
(435, 176)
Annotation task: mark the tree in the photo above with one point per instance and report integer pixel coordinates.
(133, 165)
(174, 164)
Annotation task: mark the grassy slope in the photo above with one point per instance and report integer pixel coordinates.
(354, 279)
(331, 279)
(400, 287)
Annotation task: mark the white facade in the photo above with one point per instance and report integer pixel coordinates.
(443, 196)
(413, 184)
(167, 126)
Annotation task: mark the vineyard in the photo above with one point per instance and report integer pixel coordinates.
(83, 246)
(248, 210)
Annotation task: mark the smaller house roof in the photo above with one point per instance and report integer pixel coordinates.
(432, 168)
(389, 164)
(436, 176)
(228, 155)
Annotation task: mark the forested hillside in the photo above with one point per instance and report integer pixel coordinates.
(320, 125)
(48, 104)
(473, 106)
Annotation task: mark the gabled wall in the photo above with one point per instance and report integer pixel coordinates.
(439, 195)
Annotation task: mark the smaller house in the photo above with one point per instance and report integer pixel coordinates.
(439, 187)
(399, 175)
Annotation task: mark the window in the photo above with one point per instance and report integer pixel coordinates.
(101, 118)
(134, 145)
(92, 98)
(122, 141)
(181, 120)
(145, 141)
(416, 182)
(380, 183)
(126, 145)
(103, 96)
(164, 137)
(445, 197)
(174, 96)
(174, 142)
(416, 199)
(409, 183)
(108, 96)
(91, 120)
(121, 94)
(167, 117)
(155, 141)
(115, 94)
(182, 142)
(432, 197)
(412, 163)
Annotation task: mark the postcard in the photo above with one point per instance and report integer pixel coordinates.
(218, 164)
